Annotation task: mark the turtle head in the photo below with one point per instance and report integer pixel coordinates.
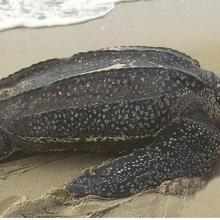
(217, 88)
(210, 96)
(214, 99)
(7, 144)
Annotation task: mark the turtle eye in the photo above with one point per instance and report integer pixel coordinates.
(217, 93)
(218, 97)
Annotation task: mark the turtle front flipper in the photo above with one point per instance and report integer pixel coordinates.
(7, 144)
(185, 148)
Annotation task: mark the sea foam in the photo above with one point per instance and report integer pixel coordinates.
(41, 13)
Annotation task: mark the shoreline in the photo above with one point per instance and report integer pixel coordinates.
(175, 25)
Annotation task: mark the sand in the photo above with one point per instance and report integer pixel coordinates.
(33, 185)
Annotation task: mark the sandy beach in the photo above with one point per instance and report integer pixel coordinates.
(32, 186)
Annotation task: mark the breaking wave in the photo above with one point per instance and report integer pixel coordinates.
(43, 13)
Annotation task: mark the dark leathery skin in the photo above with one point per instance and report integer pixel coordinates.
(118, 99)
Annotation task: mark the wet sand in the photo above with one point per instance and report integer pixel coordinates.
(26, 184)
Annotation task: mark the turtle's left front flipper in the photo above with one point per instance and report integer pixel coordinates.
(185, 148)
(8, 143)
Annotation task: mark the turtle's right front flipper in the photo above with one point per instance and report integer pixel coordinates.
(186, 148)
(8, 144)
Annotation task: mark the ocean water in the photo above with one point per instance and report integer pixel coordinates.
(42, 13)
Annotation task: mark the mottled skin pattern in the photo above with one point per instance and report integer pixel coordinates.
(155, 104)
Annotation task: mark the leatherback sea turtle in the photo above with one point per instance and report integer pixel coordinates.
(155, 100)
